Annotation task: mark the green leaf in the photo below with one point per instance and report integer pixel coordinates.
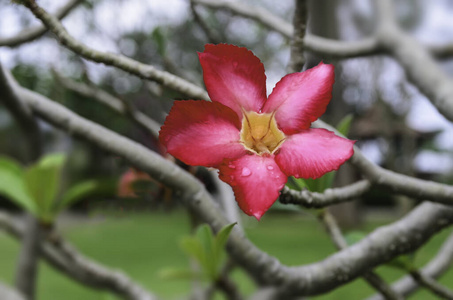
(43, 181)
(318, 185)
(12, 185)
(206, 237)
(219, 245)
(353, 237)
(192, 246)
(404, 262)
(159, 38)
(345, 124)
(222, 235)
(173, 273)
(84, 189)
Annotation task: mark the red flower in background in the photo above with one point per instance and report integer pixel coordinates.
(127, 181)
(256, 142)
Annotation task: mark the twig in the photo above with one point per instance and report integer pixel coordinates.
(436, 267)
(110, 101)
(297, 58)
(319, 45)
(418, 63)
(328, 197)
(337, 237)
(432, 285)
(65, 258)
(398, 183)
(122, 62)
(30, 34)
(210, 34)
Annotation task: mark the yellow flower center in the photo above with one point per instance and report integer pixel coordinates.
(260, 133)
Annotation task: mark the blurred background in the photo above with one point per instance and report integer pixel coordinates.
(396, 127)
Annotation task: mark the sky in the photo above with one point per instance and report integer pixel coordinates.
(435, 27)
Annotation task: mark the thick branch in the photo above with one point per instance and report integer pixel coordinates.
(112, 102)
(404, 236)
(371, 277)
(22, 114)
(329, 197)
(122, 62)
(65, 258)
(436, 267)
(30, 34)
(297, 58)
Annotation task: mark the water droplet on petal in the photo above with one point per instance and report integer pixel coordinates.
(270, 168)
(231, 166)
(246, 172)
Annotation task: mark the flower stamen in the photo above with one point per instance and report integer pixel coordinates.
(260, 133)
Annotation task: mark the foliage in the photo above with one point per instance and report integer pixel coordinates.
(36, 188)
(207, 249)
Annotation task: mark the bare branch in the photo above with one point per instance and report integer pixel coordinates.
(329, 197)
(398, 183)
(112, 102)
(432, 285)
(437, 266)
(65, 258)
(256, 13)
(122, 62)
(319, 45)
(30, 34)
(418, 63)
(27, 264)
(21, 112)
(404, 236)
(210, 34)
(337, 237)
(342, 49)
(297, 58)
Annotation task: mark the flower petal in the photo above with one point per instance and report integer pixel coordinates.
(234, 76)
(201, 133)
(256, 182)
(300, 98)
(313, 152)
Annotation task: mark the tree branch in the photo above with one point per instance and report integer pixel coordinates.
(405, 235)
(398, 183)
(337, 237)
(297, 58)
(30, 34)
(111, 102)
(210, 34)
(65, 258)
(328, 197)
(436, 267)
(122, 62)
(418, 64)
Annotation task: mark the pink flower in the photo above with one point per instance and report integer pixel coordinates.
(255, 141)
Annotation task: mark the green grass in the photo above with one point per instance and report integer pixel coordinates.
(144, 244)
